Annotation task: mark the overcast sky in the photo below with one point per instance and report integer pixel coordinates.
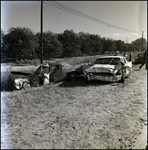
(124, 20)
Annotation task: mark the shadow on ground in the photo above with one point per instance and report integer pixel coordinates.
(82, 82)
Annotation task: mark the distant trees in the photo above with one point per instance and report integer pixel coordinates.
(2, 35)
(120, 45)
(22, 43)
(70, 42)
(19, 43)
(52, 47)
(138, 43)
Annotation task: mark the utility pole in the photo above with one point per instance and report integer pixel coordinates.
(142, 43)
(41, 31)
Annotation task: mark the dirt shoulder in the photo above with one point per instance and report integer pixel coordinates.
(76, 115)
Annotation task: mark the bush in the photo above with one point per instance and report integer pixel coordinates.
(27, 62)
(7, 82)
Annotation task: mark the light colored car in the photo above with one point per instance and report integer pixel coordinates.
(108, 68)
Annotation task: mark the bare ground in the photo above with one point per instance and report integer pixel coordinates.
(77, 115)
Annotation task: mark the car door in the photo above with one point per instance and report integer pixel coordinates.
(127, 66)
(59, 73)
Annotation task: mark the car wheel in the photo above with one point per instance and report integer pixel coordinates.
(26, 85)
(87, 81)
(73, 76)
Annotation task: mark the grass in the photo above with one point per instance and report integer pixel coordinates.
(75, 115)
(71, 60)
(25, 62)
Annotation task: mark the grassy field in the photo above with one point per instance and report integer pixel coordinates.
(77, 115)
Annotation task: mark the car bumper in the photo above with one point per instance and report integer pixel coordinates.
(109, 78)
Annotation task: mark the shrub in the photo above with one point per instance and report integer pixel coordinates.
(7, 82)
(28, 62)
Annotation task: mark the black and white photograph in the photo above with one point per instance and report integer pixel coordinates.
(74, 74)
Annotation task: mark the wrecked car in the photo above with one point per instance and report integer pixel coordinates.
(40, 75)
(51, 72)
(108, 68)
(139, 58)
(62, 70)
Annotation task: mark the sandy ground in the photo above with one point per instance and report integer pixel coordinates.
(94, 116)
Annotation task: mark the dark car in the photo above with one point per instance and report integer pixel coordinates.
(62, 70)
(34, 79)
(51, 72)
(139, 58)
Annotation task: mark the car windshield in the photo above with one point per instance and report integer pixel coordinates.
(112, 61)
(115, 61)
(44, 70)
(140, 55)
(103, 61)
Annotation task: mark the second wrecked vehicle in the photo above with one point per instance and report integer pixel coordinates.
(51, 72)
(108, 68)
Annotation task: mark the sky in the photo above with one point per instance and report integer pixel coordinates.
(118, 20)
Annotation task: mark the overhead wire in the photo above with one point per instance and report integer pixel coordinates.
(83, 15)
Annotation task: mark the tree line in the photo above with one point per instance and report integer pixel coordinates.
(22, 43)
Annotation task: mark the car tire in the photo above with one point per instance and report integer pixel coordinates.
(87, 81)
(73, 76)
(26, 85)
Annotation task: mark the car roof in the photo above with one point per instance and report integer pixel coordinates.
(111, 57)
(59, 63)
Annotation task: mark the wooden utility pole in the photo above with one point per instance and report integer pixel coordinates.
(142, 43)
(41, 31)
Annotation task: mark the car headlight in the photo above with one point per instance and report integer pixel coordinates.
(112, 70)
(18, 84)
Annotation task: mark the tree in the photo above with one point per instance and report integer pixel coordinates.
(108, 45)
(120, 45)
(70, 42)
(2, 49)
(96, 44)
(85, 40)
(51, 46)
(19, 43)
(137, 44)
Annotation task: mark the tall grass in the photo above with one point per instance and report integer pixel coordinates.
(25, 62)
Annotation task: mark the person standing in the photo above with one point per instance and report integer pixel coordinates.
(116, 54)
(130, 57)
(130, 61)
(144, 60)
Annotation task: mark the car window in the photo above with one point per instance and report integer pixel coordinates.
(44, 70)
(38, 70)
(115, 61)
(140, 55)
(123, 61)
(103, 61)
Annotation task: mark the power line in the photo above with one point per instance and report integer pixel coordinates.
(83, 15)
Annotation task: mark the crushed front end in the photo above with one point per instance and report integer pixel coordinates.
(102, 74)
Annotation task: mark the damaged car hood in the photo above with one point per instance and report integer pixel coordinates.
(100, 68)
